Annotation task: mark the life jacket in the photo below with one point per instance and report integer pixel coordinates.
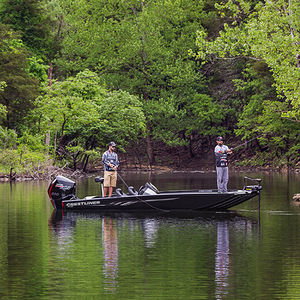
(222, 157)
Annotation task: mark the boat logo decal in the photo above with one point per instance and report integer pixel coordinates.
(61, 186)
(83, 203)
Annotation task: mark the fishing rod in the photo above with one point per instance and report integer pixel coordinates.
(152, 206)
(246, 142)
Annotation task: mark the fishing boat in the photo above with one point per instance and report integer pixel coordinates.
(62, 196)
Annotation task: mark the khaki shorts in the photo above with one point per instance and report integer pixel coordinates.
(110, 178)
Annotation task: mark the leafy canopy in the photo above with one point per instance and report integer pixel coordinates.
(262, 30)
(85, 113)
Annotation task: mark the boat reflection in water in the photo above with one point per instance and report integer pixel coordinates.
(63, 228)
(220, 225)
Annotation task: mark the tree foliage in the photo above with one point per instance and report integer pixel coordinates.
(84, 115)
(141, 47)
(123, 71)
(20, 90)
(262, 30)
(31, 19)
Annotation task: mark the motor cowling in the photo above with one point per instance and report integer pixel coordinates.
(61, 188)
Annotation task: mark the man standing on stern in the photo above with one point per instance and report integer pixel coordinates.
(221, 152)
(110, 162)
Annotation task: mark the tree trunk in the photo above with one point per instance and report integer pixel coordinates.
(55, 146)
(12, 175)
(191, 153)
(75, 162)
(143, 56)
(149, 147)
(47, 140)
(50, 72)
(86, 160)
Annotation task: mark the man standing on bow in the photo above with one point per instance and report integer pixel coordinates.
(110, 162)
(221, 152)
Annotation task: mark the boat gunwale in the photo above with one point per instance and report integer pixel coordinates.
(163, 193)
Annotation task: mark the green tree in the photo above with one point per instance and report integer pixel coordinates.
(261, 115)
(266, 31)
(2, 107)
(31, 19)
(20, 89)
(141, 47)
(84, 116)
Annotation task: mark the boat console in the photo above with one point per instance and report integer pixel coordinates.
(148, 189)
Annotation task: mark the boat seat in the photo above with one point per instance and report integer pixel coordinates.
(132, 191)
(99, 179)
(120, 193)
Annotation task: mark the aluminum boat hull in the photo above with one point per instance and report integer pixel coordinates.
(179, 200)
(62, 195)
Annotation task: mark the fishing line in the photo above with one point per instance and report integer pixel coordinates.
(152, 206)
(246, 142)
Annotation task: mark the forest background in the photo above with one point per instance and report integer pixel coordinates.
(161, 78)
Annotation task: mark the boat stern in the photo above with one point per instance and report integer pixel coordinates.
(61, 188)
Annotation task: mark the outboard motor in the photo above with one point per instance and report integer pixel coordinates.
(61, 188)
(148, 189)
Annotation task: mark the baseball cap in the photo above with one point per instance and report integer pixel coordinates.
(219, 138)
(113, 144)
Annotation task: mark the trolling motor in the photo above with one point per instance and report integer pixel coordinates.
(61, 188)
(256, 187)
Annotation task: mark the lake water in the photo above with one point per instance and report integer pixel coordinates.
(244, 253)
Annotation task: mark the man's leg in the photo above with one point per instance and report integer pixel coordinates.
(104, 191)
(110, 191)
(113, 182)
(225, 179)
(219, 179)
(106, 183)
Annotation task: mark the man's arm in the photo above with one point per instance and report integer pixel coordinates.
(117, 160)
(229, 151)
(105, 161)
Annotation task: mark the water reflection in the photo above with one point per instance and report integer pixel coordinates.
(159, 256)
(150, 231)
(110, 253)
(222, 260)
(223, 257)
(63, 229)
(154, 231)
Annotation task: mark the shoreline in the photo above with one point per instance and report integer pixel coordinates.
(51, 172)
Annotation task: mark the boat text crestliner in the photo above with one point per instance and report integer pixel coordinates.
(62, 195)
